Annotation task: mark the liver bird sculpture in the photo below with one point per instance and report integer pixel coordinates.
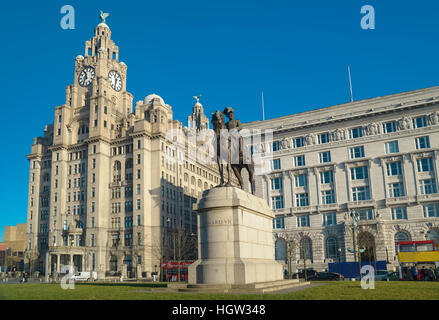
(103, 15)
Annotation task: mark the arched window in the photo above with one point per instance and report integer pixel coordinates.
(280, 250)
(193, 180)
(400, 236)
(433, 234)
(116, 171)
(199, 183)
(206, 186)
(186, 177)
(306, 248)
(331, 248)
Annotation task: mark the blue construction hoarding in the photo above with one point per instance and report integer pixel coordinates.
(352, 269)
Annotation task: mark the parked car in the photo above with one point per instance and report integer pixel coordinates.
(380, 275)
(85, 276)
(309, 274)
(393, 276)
(321, 276)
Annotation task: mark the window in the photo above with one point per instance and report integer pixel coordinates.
(323, 138)
(128, 222)
(399, 213)
(428, 186)
(359, 173)
(138, 158)
(138, 173)
(65, 225)
(92, 240)
(139, 221)
(303, 221)
(357, 152)
(425, 164)
(325, 156)
(396, 190)
(105, 124)
(328, 197)
(279, 223)
(355, 132)
(331, 248)
(276, 145)
(301, 180)
(420, 122)
(138, 144)
(298, 142)
(92, 222)
(392, 147)
(329, 219)
(326, 177)
(299, 161)
(431, 210)
(306, 248)
(400, 236)
(276, 164)
(277, 202)
(276, 183)
(360, 193)
(302, 199)
(394, 168)
(389, 127)
(422, 142)
(138, 189)
(138, 204)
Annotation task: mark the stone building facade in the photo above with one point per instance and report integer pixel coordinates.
(105, 183)
(378, 157)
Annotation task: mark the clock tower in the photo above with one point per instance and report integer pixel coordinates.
(98, 100)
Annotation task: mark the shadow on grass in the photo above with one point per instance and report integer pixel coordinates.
(123, 284)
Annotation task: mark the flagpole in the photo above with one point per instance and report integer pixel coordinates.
(350, 83)
(263, 111)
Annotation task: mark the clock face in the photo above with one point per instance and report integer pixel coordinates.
(115, 80)
(86, 76)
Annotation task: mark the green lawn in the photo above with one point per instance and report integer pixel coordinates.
(132, 291)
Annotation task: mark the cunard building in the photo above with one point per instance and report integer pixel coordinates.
(378, 157)
(106, 188)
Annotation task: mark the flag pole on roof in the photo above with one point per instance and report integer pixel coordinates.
(350, 83)
(263, 112)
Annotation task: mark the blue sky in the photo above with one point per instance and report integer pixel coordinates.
(297, 52)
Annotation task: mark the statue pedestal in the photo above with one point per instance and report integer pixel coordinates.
(235, 239)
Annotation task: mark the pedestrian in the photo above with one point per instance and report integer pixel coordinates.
(414, 272)
(431, 274)
(422, 278)
(436, 273)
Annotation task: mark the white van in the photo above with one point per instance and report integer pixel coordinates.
(85, 276)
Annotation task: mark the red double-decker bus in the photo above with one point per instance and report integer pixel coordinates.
(423, 254)
(171, 270)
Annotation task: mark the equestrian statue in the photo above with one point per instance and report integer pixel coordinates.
(234, 150)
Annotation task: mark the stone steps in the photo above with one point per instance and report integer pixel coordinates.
(254, 288)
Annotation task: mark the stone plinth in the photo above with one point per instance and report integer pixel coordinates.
(235, 239)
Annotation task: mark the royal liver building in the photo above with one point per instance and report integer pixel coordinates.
(378, 157)
(107, 191)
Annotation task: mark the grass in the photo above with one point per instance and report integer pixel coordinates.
(344, 290)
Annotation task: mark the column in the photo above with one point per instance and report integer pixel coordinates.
(71, 264)
(83, 267)
(58, 263)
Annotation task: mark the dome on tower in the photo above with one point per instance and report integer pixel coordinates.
(151, 97)
(104, 25)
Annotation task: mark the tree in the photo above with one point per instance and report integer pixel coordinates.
(31, 256)
(291, 241)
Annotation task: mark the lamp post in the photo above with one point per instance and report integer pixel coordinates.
(355, 217)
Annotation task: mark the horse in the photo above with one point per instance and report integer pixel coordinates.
(219, 124)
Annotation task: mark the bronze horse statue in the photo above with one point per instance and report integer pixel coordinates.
(219, 124)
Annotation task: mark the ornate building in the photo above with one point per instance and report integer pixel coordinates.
(106, 185)
(377, 156)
